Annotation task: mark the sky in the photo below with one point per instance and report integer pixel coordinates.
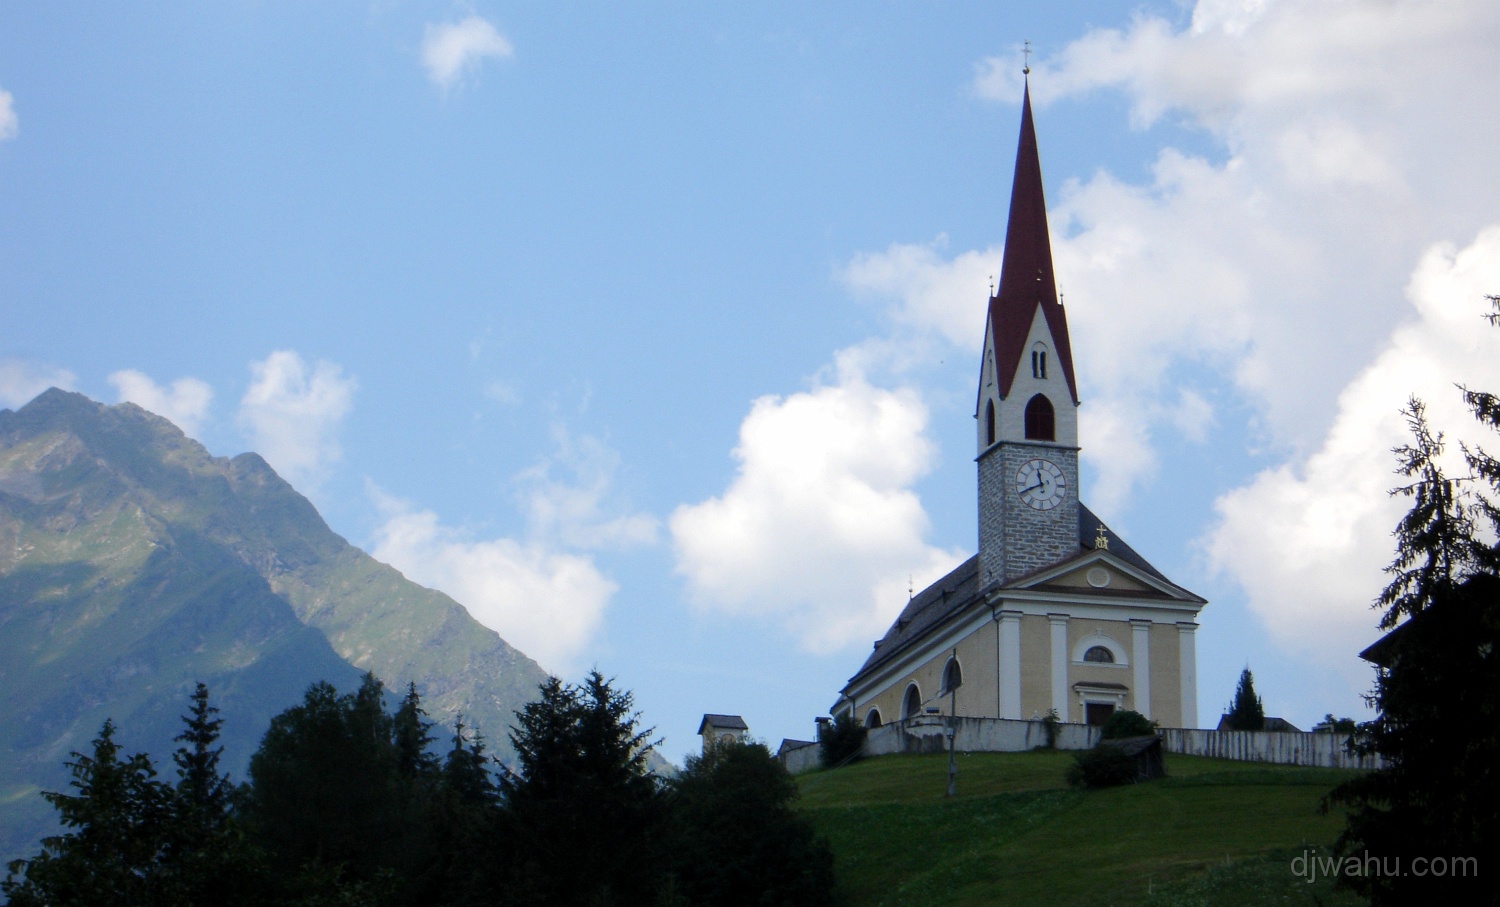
(651, 332)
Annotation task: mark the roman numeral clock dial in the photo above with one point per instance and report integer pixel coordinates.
(1040, 484)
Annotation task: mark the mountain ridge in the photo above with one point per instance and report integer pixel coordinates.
(131, 558)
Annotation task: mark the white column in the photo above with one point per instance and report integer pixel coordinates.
(1187, 659)
(1140, 660)
(1059, 664)
(1010, 664)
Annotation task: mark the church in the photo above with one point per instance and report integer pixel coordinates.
(1055, 612)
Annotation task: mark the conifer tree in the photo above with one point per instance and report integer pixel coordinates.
(117, 823)
(413, 738)
(199, 782)
(1246, 712)
(583, 798)
(324, 793)
(736, 838)
(1437, 684)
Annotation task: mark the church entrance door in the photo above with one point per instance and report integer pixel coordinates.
(1096, 713)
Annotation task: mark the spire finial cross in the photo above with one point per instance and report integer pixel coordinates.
(1026, 63)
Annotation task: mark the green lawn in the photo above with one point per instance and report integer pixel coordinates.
(1214, 832)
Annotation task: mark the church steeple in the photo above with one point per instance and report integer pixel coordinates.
(1026, 279)
(1028, 397)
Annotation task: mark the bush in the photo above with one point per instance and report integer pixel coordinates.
(843, 740)
(1102, 766)
(1125, 723)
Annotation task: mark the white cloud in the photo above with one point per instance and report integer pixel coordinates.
(21, 381)
(1308, 540)
(10, 124)
(576, 512)
(452, 49)
(502, 392)
(932, 293)
(291, 414)
(185, 402)
(820, 529)
(1192, 416)
(546, 603)
(1348, 143)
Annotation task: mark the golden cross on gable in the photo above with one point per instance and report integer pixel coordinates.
(1101, 541)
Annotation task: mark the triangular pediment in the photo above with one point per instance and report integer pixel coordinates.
(1098, 572)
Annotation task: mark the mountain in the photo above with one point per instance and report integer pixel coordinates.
(134, 564)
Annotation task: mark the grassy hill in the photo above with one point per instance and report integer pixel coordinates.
(1214, 832)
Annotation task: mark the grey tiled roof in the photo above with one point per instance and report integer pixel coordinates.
(726, 722)
(960, 589)
(788, 744)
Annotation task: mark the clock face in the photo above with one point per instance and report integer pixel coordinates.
(1041, 484)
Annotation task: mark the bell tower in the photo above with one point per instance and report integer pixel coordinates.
(1027, 409)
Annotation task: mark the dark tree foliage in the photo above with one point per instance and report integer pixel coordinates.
(1246, 712)
(347, 806)
(843, 740)
(465, 815)
(413, 738)
(117, 821)
(1126, 723)
(200, 785)
(737, 839)
(583, 816)
(1437, 685)
(207, 859)
(1333, 725)
(326, 793)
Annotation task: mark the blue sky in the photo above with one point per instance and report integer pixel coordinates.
(650, 332)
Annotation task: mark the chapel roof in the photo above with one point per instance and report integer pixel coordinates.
(960, 589)
(1026, 278)
(723, 723)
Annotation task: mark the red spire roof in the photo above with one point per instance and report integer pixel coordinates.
(1026, 279)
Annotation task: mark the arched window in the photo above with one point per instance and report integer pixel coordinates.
(872, 719)
(911, 705)
(1099, 655)
(1039, 362)
(1040, 420)
(953, 676)
(989, 422)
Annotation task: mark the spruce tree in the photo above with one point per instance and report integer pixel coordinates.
(199, 782)
(583, 814)
(117, 835)
(1246, 712)
(1437, 684)
(737, 840)
(207, 859)
(325, 799)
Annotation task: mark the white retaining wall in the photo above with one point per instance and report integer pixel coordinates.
(925, 734)
(802, 759)
(1280, 747)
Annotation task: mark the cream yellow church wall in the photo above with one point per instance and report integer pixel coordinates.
(1036, 665)
(1118, 633)
(976, 694)
(1166, 681)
